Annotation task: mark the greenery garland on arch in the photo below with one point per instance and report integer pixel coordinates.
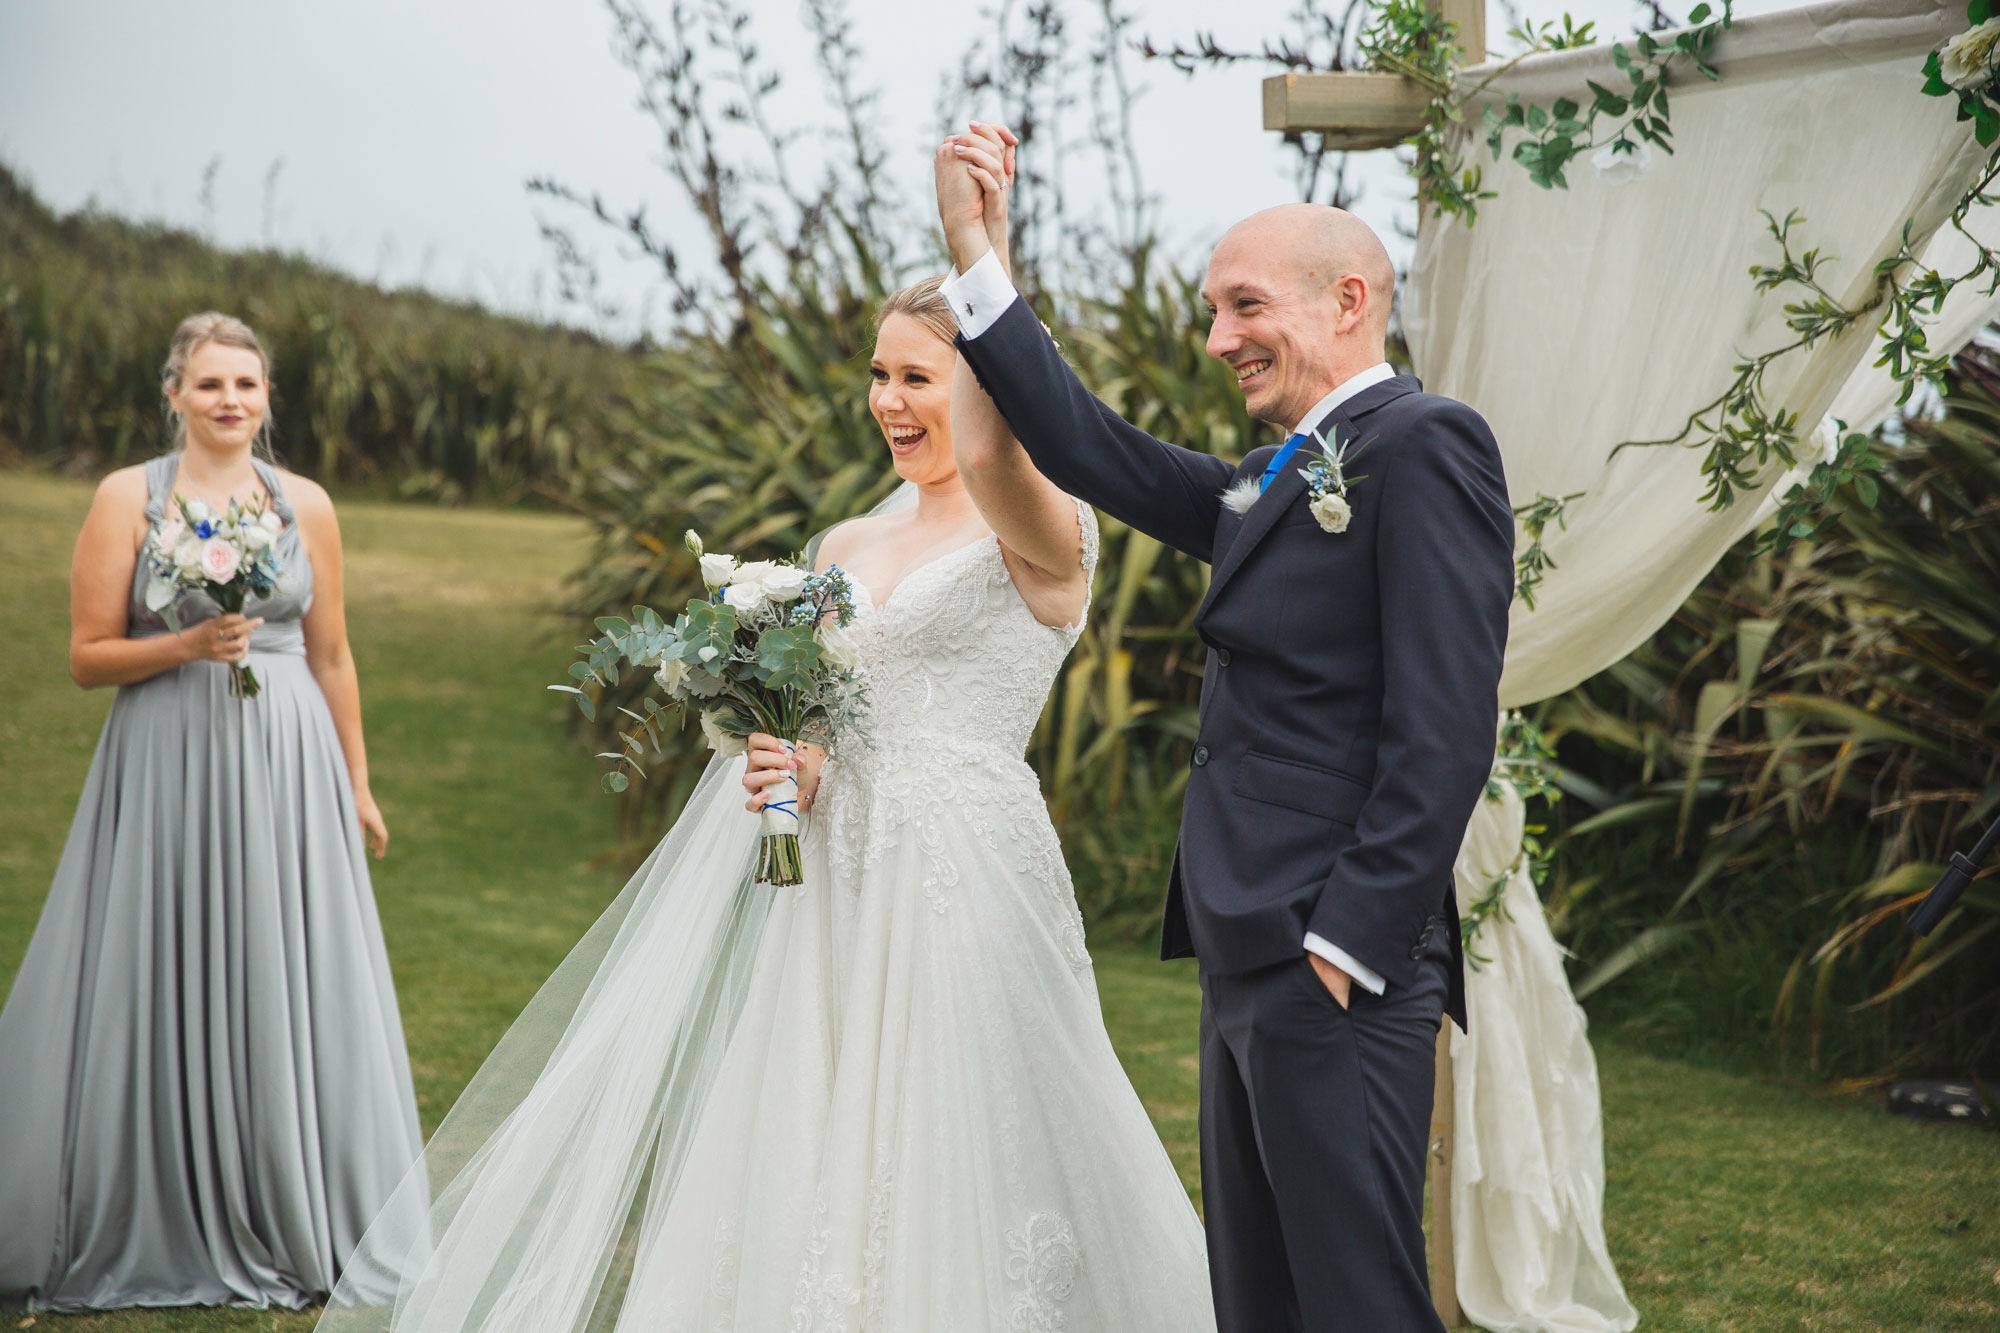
(1741, 433)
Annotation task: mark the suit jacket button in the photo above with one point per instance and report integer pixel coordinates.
(1222, 656)
(1200, 755)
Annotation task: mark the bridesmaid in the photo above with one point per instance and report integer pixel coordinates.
(204, 1096)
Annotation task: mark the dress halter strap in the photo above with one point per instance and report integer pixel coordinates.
(159, 480)
(269, 476)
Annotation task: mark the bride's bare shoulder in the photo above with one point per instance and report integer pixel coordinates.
(843, 539)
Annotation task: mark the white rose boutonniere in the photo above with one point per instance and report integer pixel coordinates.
(1327, 483)
(1333, 512)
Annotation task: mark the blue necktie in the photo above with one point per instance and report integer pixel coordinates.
(1279, 459)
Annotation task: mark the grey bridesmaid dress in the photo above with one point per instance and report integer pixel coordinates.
(204, 1094)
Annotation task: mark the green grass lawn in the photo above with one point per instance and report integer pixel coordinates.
(1734, 1202)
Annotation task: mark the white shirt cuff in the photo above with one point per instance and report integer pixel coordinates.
(1364, 976)
(979, 296)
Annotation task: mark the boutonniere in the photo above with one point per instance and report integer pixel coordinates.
(1327, 482)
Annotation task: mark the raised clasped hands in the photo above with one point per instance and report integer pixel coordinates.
(974, 172)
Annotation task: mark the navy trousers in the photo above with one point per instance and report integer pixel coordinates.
(1314, 1127)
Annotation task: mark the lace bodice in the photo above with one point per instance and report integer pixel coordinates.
(955, 657)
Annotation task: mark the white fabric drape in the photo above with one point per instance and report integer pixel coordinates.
(1575, 320)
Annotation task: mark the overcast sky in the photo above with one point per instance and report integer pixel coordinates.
(392, 138)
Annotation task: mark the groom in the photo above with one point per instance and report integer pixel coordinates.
(1347, 726)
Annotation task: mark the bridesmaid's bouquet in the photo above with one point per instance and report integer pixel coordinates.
(231, 556)
(765, 648)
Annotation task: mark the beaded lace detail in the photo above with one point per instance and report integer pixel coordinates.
(958, 671)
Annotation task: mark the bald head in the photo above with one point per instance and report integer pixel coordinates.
(1322, 245)
(1301, 295)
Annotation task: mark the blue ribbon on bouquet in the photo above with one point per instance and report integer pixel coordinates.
(789, 807)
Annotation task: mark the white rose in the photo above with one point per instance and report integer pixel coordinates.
(197, 511)
(1332, 511)
(840, 649)
(754, 572)
(717, 570)
(672, 675)
(1620, 168)
(187, 556)
(784, 583)
(744, 597)
(1966, 62)
(270, 522)
(255, 536)
(720, 741)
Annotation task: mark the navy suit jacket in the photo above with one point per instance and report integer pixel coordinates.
(1349, 703)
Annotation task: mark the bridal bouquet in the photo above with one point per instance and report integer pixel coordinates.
(228, 555)
(765, 648)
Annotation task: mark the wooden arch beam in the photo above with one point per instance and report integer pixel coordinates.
(1356, 110)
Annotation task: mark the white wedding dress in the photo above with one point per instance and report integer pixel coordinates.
(882, 1100)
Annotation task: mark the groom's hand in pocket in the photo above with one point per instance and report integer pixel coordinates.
(1336, 981)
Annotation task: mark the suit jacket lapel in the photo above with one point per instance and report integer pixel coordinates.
(1288, 485)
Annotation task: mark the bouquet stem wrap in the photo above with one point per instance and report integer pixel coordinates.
(242, 680)
(778, 858)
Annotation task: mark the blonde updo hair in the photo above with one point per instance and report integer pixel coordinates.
(925, 303)
(194, 333)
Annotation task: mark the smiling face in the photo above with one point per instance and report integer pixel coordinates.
(911, 398)
(1300, 296)
(223, 396)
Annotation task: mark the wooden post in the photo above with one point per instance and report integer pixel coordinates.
(1359, 110)
(1444, 1257)
(1470, 16)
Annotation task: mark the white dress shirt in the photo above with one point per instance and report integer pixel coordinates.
(1353, 384)
(978, 297)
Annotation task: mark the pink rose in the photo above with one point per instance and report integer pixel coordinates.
(169, 536)
(219, 560)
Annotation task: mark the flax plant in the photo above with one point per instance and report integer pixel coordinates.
(1843, 693)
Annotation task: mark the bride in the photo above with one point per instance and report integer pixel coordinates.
(883, 1099)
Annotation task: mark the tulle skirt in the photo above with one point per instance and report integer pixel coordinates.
(921, 1123)
(881, 1100)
